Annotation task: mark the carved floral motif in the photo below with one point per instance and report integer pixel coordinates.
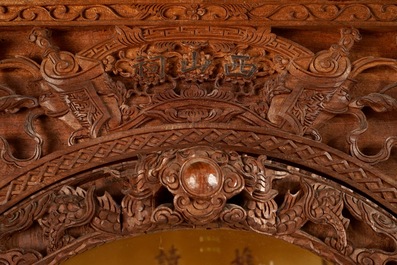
(205, 187)
(253, 80)
(365, 11)
(145, 89)
(62, 217)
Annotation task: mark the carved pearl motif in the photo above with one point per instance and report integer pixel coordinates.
(201, 177)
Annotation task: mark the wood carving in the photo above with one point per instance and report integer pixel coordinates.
(177, 116)
(82, 13)
(292, 90)
(200, 182)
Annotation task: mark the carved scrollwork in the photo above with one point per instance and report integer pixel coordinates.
(58, 220)
(12, 103)
(206, 187)
(19, 256)
(207, 124)
(75, 14)
(201, 180)
(166, 216)
(146, 78)
(143, 76)
(297, 92)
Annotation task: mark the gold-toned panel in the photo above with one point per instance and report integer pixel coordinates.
(194, 247)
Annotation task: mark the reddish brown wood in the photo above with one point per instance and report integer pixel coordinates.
(120, 118)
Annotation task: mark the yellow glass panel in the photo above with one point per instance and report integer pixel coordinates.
(198, 247)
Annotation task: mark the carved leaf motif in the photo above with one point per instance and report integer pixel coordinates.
(70, 208)
(13, 103)
(262, 37)
(195, 114)
(128, 36)
(223, 46)
(378, 102)
(19, 257)
(136, 213)
(108, 216)
(325, 205)
(165, 46)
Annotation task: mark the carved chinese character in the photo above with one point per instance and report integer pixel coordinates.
(243, 258)
(195, 61)
(170, 258)
(239, 68)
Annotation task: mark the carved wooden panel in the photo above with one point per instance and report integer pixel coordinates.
(199, 187)
(154, 116)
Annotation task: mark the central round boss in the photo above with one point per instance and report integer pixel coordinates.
(201, 177)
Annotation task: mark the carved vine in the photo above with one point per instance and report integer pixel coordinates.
(275, 12)
(200, 187)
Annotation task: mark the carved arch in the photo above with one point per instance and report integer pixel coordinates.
(151, 107)
(256, 189)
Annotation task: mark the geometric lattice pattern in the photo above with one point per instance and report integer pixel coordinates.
(274, 144)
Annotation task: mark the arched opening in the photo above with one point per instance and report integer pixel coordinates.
(240, 138)
(194, 247)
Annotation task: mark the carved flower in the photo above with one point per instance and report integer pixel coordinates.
(108, 62)
(194, 115)
(195, 12)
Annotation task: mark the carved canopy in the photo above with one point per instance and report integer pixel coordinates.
(119, 119)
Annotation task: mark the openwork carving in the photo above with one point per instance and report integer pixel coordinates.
(149, 78)
(200, 187)
(200, 180)
(62, 218)
(254, 80)
(189, 125)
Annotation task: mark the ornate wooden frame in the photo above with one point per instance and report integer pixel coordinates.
(196, 115)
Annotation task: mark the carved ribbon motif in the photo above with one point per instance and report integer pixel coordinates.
(251, 80)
